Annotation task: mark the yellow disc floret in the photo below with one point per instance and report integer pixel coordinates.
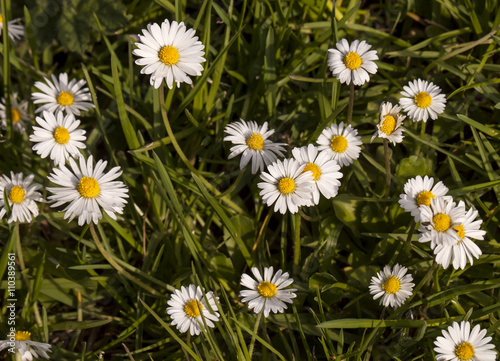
(88, 187)
(315, 170)
(423, 100)
(391, 285)
(338, 144)
(267, 289)
(460, 230)
(61, 135)
(16, 116)
(424, 198)
(16, 194)
(441, 222)
(464, 351)
(23, 335)
(255, 141)
(193, 308)
(169, 55)
(352, 60)
(388, 125)
(65, 98)
(286, 185)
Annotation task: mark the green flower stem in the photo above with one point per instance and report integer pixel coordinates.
(351, 103)
(255, 329)
(387, 166)
(6, 68)
(296, 247)
(422, 135)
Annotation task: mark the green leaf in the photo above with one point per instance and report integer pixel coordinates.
(412, 166)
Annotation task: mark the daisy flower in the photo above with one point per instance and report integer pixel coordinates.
(87, 189)
(25, 347)
(61, 95)
(394, 285)
(19, 111)
(57, 137)
(325, 171)
(419, 191)
(16, 31)
(422, 100)
(169, 52)
(267, 293)
(22, 197)
(342, 144)
(287, 185)
(390, 122)
(460, 344)
(188, 308)
(252, 143)
(352, 62)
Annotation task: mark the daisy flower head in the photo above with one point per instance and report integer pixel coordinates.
(420, 191)
(325, 171)
(57, 136)
(16, 30)
(267, 293)
(341, 143)
(352, 62)
(422, 100)
(87, 189)
(251, 141)
(286, 185)
(22, 197)
(169, 52)
(390, 122)
(188, 309)
(394, 285)
(59, 95)
(19, 112)
(459, 343)
(25, 347)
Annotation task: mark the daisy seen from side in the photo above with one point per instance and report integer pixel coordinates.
(16, 30)
(22, 196)
(422, 100)
(390, 123)
(19, 111)
(394, 286)
(26, 348)
(341, 143)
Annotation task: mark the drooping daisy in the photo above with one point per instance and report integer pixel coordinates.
(16, 30)
(287, 185)
(419, 191)
(61, 95)
(169, 52)
(325, 171)
(253, 144)
(26, 348)
(394, 285)
(422, 100)
(87, 189)
(22, 197)
(342, 144)
(352, 62)
(460, 344)
(267, 293)
(390, 122)
(188, 306)
(19, 111)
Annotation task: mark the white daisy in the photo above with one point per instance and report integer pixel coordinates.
(16, 30)
(188, 306)
(395, 285)
(169, 52)
(460, 344)
(61, 95)
(87, 188)
(25, 347)
(251, 140)
(325, 171)
(19, 113)
(342, 144)
(352, 62)
(287, 185)
(419, 191)
(267, 293)
(422, 100)
(22, 197)
(390, 122)
(57, 137)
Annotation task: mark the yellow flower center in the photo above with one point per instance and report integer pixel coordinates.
(423, 99)
(286, 185)
(352, 60)
(460, 231)
(424, 198)
(391, 285)
(23, 335)
(193, 308)
(315, 170)
(88, 187)
(169, 55)
(65, 98)
(255, 141)
(16, 116)
(338, 144)
(464, 351)
(16, 194)
(388, 124)
(61, 135)
(1, 18)
(267, 289)
(441, 222)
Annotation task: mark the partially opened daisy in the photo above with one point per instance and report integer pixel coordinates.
(22, 197)
(16, 30)
(58, 136)
(170, 52)
(87, 189)
(251, 141)
(60, 95)
(19, 111)
(459, 343)
(390, 122)
(26, 348)
(422, 100)
(341, 143)
(394, 286)
(189, 309)
(286, 185)
(352, 62)
(419, 191)
(268, 293)
(325, 171)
